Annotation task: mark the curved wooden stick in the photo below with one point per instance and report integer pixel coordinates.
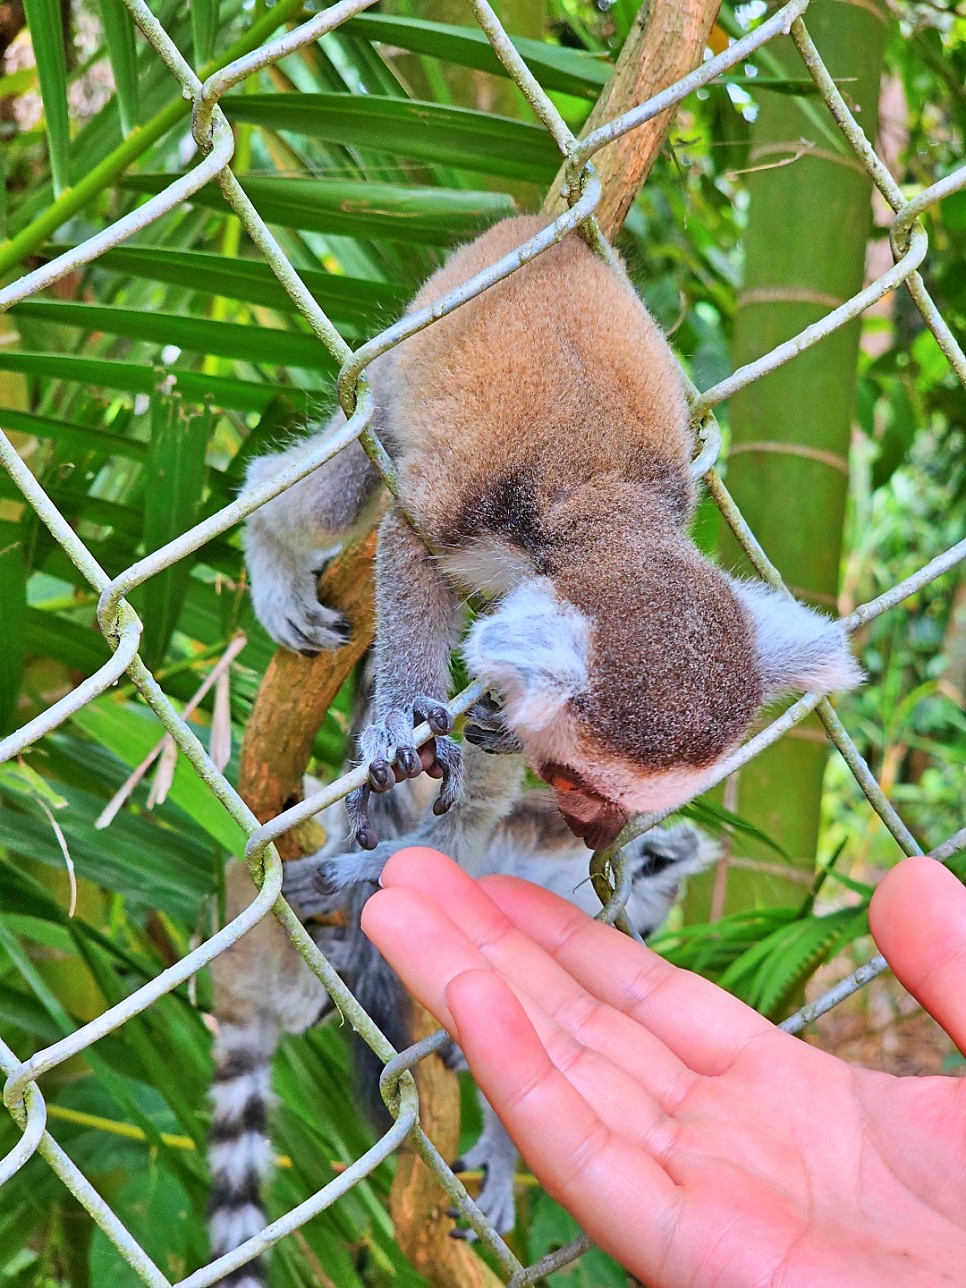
(666, 42)
(296, 692)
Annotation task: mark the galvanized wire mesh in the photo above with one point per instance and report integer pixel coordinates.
(122, 628)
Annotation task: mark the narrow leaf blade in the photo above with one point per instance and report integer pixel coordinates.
(47, 34)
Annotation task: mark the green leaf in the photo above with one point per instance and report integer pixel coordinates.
(204, 30)
(129, 733)
(18, 82)
(47, 35)
(551, 1228)
(55, 636)
(81, 438)
(352, 300)
(200, 335)
(452, 136)
(158, 1207)
(172, 500)
(19, 777)
(240, 395)
(152, 865)
(777, 967)
(571, 71)
(122, 51)
(902, 422)
(13, 615)
(431, 216)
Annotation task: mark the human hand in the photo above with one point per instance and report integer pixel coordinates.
(694, 1141)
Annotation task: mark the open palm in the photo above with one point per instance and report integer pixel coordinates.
(694, 1141)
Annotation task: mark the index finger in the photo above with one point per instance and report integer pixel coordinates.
(918, 920)
(701, 1023)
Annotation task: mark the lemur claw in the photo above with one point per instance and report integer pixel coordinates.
(357, 809)
(409, 763)
(436, 716)
(381, 776)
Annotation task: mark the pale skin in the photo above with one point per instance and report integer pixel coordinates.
(692, 1140)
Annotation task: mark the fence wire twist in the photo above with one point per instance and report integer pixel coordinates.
(122, 627)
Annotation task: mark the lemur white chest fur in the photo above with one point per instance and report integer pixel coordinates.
(542, 443)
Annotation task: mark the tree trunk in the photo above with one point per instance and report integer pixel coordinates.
(809, 223)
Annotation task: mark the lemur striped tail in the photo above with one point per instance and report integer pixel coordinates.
(239, 1152)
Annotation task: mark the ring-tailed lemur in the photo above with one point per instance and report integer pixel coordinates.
(542, 443)
(493, 828)
(541, 437)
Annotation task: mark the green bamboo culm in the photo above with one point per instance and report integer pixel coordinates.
(809, 222)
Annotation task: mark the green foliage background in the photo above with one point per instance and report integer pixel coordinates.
(365, 183)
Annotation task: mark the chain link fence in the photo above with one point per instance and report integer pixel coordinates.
(122, 628)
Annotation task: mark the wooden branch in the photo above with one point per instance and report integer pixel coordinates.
(666, 42)
(296, 692)
(417, 1203)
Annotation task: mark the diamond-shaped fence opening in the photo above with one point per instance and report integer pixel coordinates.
(122, 627)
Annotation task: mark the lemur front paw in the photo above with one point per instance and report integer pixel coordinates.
(310, 898)
(440, 758)
(284, 591)
(486, 728)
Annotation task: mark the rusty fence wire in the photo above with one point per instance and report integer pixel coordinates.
(122, 628)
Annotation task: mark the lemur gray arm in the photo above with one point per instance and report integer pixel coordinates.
(416, 620)
(290, 539)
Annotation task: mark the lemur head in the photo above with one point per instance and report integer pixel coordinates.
(629, 686)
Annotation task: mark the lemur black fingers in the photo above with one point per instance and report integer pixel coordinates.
(300, 888)
(297, 877)
(462, 1232)
(485, 728)
(450, 761)
(312, 630)
(340, 629)
(392, 737)
(454, 1060)
(302, 642)
(435, 714)
(487, 711)
(492, 742)
(357, 809)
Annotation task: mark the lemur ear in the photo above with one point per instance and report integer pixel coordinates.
(532, 651)
(797, 648)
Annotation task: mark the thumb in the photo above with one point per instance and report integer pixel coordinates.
(918, 920)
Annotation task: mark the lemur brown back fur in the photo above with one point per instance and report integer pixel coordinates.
(556, 403)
